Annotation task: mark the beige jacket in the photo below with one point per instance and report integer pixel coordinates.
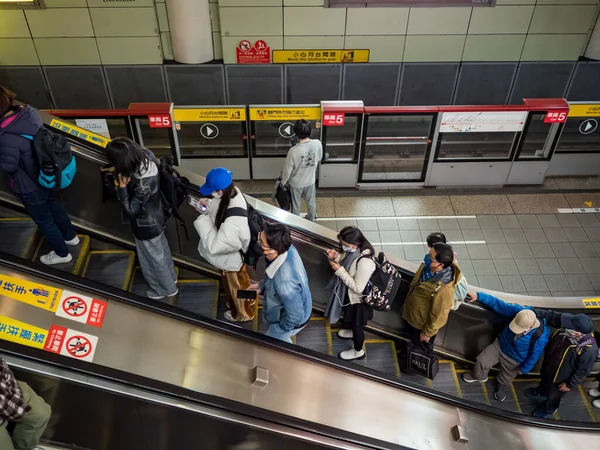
(357, 277)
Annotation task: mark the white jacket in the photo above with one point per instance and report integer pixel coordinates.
(222, 247)
(357, 277)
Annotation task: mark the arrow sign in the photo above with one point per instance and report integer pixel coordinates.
(286, 130)
(209, 131)
(588, 204)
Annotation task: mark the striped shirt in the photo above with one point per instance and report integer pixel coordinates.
(12, 403)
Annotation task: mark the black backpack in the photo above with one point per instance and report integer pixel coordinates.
(380, 292)
(54, 159)
(173, 189)
(256, 225)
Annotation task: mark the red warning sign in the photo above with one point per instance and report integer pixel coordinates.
(259, 53)
(67, 342)
(82, 308)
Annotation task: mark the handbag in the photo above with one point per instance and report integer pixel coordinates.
(423, 363)
(283, 195)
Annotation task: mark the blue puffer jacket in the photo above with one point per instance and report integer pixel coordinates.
(287, 299)
(519, 349)
(17, 160)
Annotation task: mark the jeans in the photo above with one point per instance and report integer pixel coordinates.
(29, 429)
(50, 217)
(275, 331)
(156, 263)
(307, 193)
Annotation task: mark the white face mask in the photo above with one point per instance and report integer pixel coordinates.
(348, 249)
(216, 194)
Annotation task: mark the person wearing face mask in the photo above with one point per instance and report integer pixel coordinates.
(517, 349)
(224, 237)
(287, 304)
(353, 270)
(568, 360)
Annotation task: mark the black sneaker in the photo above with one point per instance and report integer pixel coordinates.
(500, 393)
(535, 394)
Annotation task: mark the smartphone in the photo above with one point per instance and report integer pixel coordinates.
(327, 254)
(247, 294)
(196, 204)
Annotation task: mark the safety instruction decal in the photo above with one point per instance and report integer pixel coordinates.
(64, 303)
(80, 132)
(320, 56)
(22, 333)
(584, 110)
(285, 113)
(209, 115)
(67, 342)
(591, 302)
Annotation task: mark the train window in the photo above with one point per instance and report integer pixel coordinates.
(580, 135)
(273, 138)
(478, 145)
(211, 140)
(155, 139)
(340, 142)
(535, 138)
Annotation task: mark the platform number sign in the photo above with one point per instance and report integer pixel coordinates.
(334, 119)
(556, 116)
(160, 121)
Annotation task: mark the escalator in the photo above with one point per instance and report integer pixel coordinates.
(105, 267)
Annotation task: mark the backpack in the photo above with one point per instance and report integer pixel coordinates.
(256, 225)
(173, 189)
(54, 159)
(380, 292)
(460, 292)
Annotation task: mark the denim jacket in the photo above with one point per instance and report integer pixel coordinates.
(287, 300)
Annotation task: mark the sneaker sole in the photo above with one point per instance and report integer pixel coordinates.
(474, 380)
(352, 359)
(347, 338)
(499, 399)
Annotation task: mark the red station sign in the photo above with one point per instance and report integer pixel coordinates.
(259, 53)
(159, 121)
(556, 116)
(334, 119)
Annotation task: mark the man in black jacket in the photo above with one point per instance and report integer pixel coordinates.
(568, 360)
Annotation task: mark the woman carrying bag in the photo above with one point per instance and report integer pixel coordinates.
(353, 270)
(224, 237)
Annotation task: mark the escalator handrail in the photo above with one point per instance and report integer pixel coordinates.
(104, 291)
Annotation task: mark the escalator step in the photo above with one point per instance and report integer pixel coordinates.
(316, 336)
(447, 380)
(111, 267)
(7, 212)
(186, 274)
(138, 285)
(19, 236)
(381, 355)
(252, 325)
(199, 296)
(78, 252)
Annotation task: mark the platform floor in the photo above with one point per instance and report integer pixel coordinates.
(518, 243)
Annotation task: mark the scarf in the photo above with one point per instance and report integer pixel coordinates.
(425, 273)
(338, 289)
(577, 340)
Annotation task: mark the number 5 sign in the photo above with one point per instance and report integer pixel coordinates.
(336, 119)
(160, 121)
(556, 116)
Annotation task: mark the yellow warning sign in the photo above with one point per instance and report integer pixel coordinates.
(79, 132)
(285, 113)
(22, 333)
(584, 110)
(591, 302)
(588, 204)
(209, 115)
(35, 294)
(320, 56)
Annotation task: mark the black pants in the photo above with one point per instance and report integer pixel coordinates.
(355, 318)
(550, 389)
(415, 338)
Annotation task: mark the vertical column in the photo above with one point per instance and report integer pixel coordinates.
(191, 31)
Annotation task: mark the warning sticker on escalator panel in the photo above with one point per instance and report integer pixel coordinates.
(72, 343)
(80, 133)
(67, 304)
(591, 302)
(22, 333)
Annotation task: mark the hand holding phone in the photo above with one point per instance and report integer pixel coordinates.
(332, 254)
(198, 205)
(247, 294)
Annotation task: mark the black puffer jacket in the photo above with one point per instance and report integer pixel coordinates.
(142, 202)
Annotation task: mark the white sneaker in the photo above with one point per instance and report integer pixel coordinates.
(596, 403)
(174, 293)
(595, 392)
(345, 334)
(73, 241)
(52, 258)
(350, 355)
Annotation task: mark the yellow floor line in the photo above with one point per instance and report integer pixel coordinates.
(486, 396)
(588, 404)
(329, 338)
(130, 270)
(20, 219)
(377, 341)
(133, 278)
(395, 358)
(456, 382)
(514, 392)
(83, 252)
(429, 383)
(85, 266)
(35, 236)
(107, 252)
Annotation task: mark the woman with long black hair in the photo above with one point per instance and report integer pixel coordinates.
(224, 237)
(353, 269)
(141, 202)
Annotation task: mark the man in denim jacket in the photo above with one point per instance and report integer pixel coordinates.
(287, 302)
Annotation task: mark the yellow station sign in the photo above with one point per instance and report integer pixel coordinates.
(22, 333)
(285, 113)
(320, 56)
(209, 115)
(35, 294)
(591, 302)
(584, 110)
(79, 132)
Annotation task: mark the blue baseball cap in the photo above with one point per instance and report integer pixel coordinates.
(216, 180)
